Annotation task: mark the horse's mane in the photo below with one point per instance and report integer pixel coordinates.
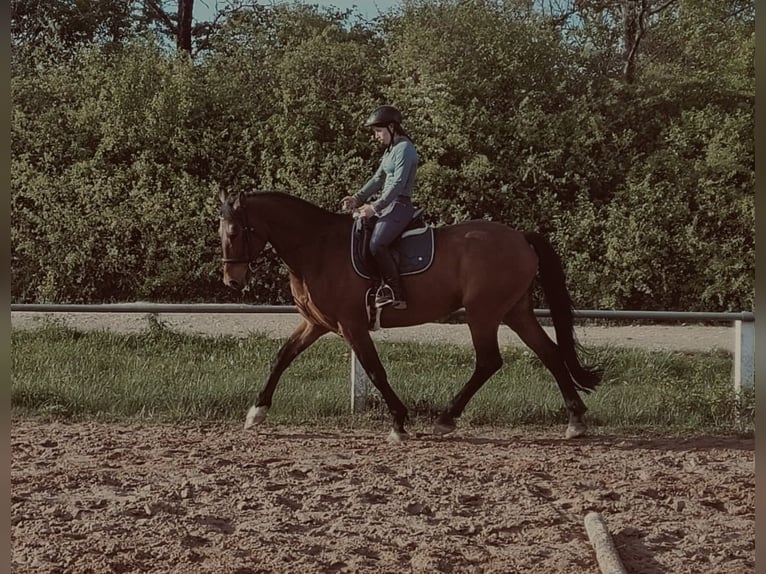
(297, 202)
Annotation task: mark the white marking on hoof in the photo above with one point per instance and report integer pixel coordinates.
(441, 428)
(575, 429)
(255, 415)
(397, 437)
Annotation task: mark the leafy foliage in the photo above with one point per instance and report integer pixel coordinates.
(120, 144)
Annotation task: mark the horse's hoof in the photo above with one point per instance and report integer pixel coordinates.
(396, 437)
(256, 415)
(575, 429)
(441, 428)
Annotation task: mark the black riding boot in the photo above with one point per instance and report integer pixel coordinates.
(392, 292)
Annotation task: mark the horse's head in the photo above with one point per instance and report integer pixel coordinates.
(241, 240)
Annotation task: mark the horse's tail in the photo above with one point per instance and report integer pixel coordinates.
(560, 303)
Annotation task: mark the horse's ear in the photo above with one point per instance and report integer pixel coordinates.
(222, 195)
(239, 201)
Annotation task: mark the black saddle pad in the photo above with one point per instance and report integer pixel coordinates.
(413, 251)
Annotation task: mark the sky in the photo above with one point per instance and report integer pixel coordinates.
(204, 9)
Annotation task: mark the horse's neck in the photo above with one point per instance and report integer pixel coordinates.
(295, 230)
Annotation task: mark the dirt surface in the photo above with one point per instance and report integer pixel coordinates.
(93, 497)
(674, 337)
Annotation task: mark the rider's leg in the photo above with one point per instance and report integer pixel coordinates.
(387, 229)
(394, 295)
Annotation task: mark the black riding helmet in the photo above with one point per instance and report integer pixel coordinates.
(383, 116)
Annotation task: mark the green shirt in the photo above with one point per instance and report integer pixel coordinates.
(395, 176)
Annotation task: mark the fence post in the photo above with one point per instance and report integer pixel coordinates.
(744, 355)
(360, 385)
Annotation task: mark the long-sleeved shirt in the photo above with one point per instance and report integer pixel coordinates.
(395, 176)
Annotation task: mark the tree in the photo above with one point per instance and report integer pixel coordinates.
(646, 187)
(176, 24)
(69, 23)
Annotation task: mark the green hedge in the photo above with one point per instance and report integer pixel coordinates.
(647, 189)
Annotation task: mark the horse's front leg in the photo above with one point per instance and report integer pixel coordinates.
(362, 344)
(300, 339)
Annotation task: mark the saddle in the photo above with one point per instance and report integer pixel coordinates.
(413, 253)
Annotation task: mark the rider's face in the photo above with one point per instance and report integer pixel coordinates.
(381, 134)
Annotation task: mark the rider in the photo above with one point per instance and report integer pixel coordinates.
(396, 178)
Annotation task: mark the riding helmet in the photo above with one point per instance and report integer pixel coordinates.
(382, 116)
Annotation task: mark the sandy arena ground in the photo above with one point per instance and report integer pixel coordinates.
(95, 497)
(91, 497)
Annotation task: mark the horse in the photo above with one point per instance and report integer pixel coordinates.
(487, 268)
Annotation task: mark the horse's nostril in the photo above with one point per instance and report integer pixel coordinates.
(234, 284)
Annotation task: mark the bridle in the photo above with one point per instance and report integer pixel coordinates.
(249, 232)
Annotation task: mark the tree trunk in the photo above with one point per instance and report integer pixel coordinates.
(184, 35)
(632, 30)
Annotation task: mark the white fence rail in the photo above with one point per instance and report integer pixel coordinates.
(743, 372)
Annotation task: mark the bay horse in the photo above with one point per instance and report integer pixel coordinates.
(485, 267)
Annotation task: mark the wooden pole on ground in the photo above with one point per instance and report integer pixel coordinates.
(606, 554)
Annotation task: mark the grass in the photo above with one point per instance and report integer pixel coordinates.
(163, 375)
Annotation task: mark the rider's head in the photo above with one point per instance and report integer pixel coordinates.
(386, 123)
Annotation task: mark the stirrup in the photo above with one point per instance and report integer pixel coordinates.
(387, 296)
(384, 296)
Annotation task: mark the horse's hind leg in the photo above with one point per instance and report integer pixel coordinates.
(523, 321)
(488, 362)
(303, 337)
